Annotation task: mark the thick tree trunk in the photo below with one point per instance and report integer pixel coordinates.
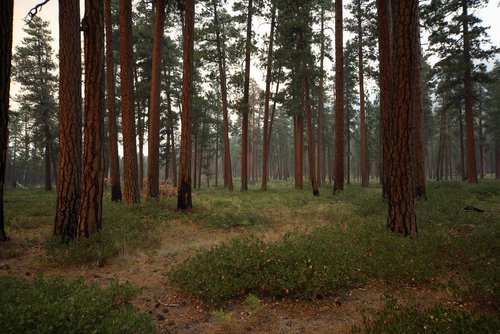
(221, 59)
(131, 193)
(469, 117)
(70, 122)
(401, 217)
(245, 105)
(385, 54)
(362, 115)
(338, 183)
(153, 190)
(184, 200)
(116, 189)
(90, 219)
(6, 15)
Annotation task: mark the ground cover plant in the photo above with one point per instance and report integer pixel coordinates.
(254, 250)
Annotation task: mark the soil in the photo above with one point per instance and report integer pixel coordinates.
(175, 312)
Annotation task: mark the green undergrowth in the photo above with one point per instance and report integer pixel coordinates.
(397, 318)
(68, 306)
(455, 247)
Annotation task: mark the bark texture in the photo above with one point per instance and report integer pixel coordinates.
(184, 200)
(90, 219)
(131, 185)
(6, 15)
(70, 122)
(154, 104)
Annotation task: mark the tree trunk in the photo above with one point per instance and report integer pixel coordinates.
(70, 122)
(6, 19)
(90, 219)
(184, 200)
(131, 193)
(116, 189)
(362, 116)
(319, 163)
(299, 150)
(140, 134)
(497, 159)
(385, 54)
(339, 99)
(462, 153)
(401, 217)
(469, 117)
(153, 190)
(221, 57)
(46, 156)
(245, 105)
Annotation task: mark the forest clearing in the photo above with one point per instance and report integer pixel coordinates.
(445, 280)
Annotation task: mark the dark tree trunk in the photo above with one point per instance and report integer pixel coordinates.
(46, 156)
(6, 15)
(116, 189)
(319, 149)
(90, 219)
(338, 183)
(70, 122)
(385, 54)
(401, 218)
(362, 115)
(462, 153)
(299, 150)
(131, 193)
(184, 200)
(469, 117)
(245, 105)
(497, 159)
(221, 57)
(153, 190)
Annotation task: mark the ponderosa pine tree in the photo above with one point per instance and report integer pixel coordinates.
(184, 200)
(405, 26)
(131, 193)
(116, 189)
(6, 15)
(338, 183)
(90, 219)
(154, 104)
(70, 122)
(33, 66)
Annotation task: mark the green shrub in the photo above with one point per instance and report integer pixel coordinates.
(396, 318)
(60, 306)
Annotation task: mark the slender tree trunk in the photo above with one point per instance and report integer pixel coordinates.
(385, 52)
(90, 219)
(228, 175)
(319, 163)
(6, 20)
(362, 116)
(401, 218)
(497, 159)
(184, 200)
(481, 140)
(339, 99)
(70, 122)
(245, 105)
(140, 134)
(469, 117)
(46, 155)
(131, 193)
(116, 189)
(462, 153)
(217, 160)
(167, 156)
(173, 156)
(153, 190)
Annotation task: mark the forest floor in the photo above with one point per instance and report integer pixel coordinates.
(139, 244)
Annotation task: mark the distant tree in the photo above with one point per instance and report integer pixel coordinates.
(154, 104)
(70, 122)
(184, 199)
(6, 15)
(116, 189)
(493, 116)
(33, 69)
(90, 219)
(131, 193)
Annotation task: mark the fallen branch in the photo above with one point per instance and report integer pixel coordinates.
(167, 305)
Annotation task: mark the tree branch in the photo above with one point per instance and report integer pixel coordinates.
(33, 11)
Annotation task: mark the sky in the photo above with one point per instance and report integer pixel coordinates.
(490, 16)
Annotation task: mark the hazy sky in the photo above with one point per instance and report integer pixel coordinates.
(490, 16)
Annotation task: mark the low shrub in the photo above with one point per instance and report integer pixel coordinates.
(68, 306)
